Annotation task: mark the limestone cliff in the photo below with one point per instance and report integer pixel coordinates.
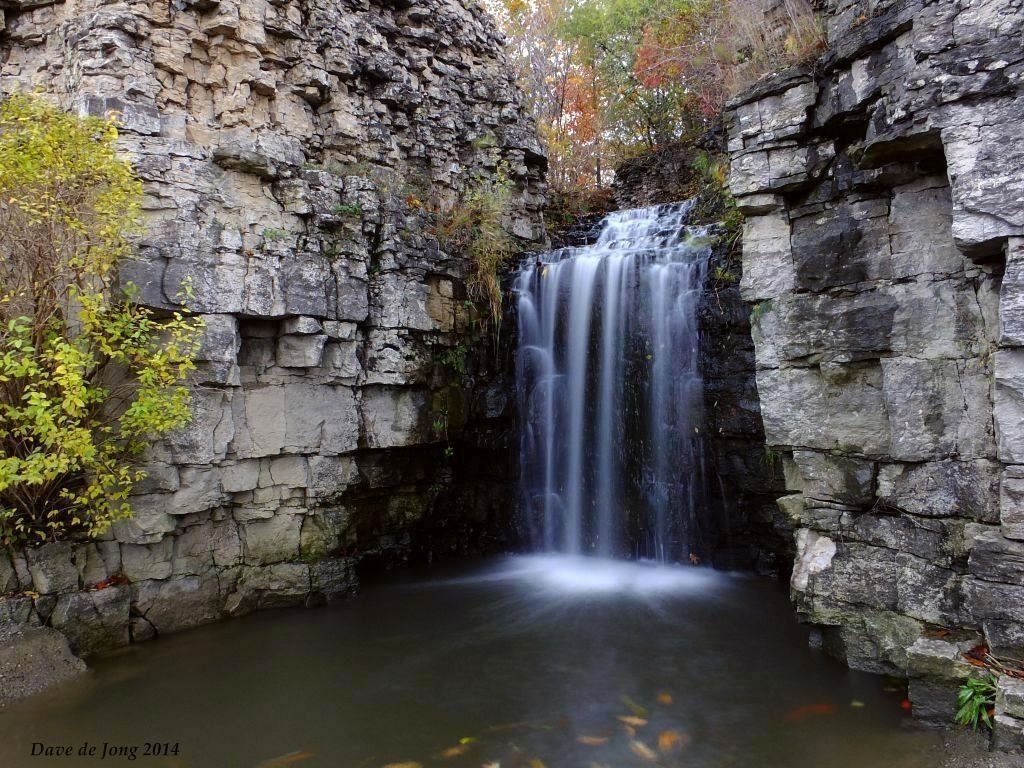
(290, 151)
(883, 252)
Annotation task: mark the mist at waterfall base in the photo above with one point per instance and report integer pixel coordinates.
(521, 659)
(610, 393)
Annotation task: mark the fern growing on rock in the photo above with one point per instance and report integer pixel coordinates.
(974, 701)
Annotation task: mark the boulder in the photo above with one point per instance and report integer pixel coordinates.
(34, 660)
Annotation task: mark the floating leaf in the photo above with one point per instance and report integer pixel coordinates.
(641, 750)
(467, 740)
(536, 762)
(404, 765)
(592, 741)
(633, 707)
(672, 741)
(289, 759)
(665, 699)
(630, 730)
(856, 704)
(802, 713)
(637, 722)
(461, 749)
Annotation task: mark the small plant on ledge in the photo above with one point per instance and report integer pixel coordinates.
(455, 358)
(272, 234)
(975, 701)
(348, 209)
(474, 226)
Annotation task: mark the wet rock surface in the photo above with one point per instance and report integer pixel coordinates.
(346, 406)
(743, 478)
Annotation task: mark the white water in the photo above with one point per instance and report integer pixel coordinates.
(558, 575)
(610, 392)
(573, 574)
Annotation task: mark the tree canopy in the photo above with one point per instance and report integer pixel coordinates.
(610, 78)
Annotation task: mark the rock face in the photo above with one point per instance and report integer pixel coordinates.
(293, 155)
(884, 194)
(745, 477)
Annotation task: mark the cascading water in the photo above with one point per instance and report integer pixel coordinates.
(610, 392)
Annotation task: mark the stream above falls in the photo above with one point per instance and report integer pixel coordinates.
(571, 662)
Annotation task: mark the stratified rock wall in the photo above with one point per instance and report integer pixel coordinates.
(290, 151)
(883, 253)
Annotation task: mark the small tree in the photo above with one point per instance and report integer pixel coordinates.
(87, 375)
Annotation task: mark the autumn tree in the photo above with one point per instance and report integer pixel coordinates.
(87, 375)
(611, 78)
(557, 83)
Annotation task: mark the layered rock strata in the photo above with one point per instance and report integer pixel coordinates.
(297, 157)
(882, 255)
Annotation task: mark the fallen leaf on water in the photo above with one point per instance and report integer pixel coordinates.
(491, 765)
(665, 699)
(633, 707)
(461, 749)
(672, 741)
(641, 750)
(856, 704)
(404, 765)
(289, 759)
(635, 721)
(592, 741)
(802, 713)
(536, 762)
(630, 730)
(468, 740)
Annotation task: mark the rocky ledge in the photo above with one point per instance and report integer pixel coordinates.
(883, 256)
(346, 407)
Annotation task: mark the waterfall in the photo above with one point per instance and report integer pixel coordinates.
(610, 392)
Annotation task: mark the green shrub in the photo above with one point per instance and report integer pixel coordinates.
(87, 375)
(271, 233)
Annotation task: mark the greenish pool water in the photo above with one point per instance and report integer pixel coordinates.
(519, 662)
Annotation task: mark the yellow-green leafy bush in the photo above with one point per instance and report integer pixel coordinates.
(87, 375)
